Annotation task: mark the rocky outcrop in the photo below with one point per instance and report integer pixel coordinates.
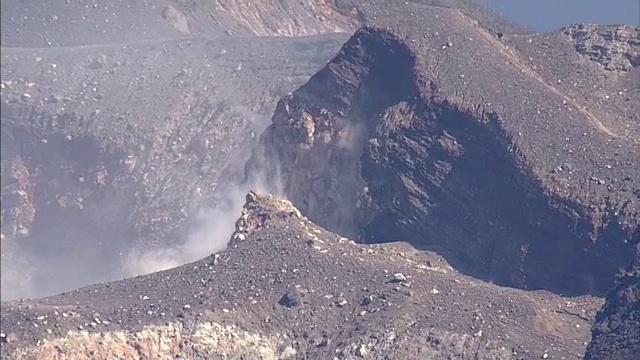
(388, 142)
(18, 191)
(206, 340)
(615, 48)
(260, 211)
(616, 333)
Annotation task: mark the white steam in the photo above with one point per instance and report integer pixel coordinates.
(211, 234)
(39, 272)
(15, 274)
(214, 226)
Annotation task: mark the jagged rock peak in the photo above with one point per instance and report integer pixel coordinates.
(259, 211)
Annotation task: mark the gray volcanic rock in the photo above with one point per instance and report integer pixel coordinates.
(453, 141)
(121, 120)
(616, 48)
(227, 305)
(616, 333)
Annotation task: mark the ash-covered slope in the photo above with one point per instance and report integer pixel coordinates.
(31, 23)
(288, 289)
(90, 23)
(522, 169)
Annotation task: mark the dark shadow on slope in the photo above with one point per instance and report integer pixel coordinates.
(463, 182)
(470, 195)
(616, 332)
(434, 171)
(456, 184)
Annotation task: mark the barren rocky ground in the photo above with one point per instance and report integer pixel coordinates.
(471, 188)
(286, 288)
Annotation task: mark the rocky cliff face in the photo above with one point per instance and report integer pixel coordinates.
(615, 48)
(390, 142)
(616, 333)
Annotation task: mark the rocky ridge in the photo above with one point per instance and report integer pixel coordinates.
(616, 48)
(290, 289)
(411, 143)
(91, 23)
(94, 23)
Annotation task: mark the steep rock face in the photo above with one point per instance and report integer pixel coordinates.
(73, 197)
(616, 333)
(616, 48)
(321, 145)
(383, 145)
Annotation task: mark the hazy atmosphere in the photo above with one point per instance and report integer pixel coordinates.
(546, 15)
